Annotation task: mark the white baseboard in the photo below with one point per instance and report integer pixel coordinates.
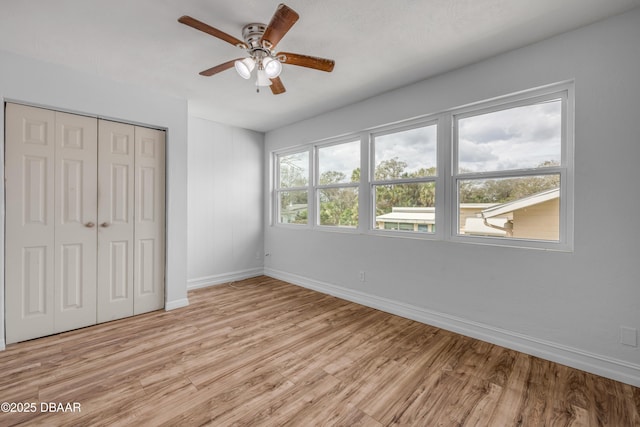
(179, 303)
(604, 366)
(2, 345)
(218, 279)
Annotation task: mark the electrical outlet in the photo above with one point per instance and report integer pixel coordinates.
(628, 336)
(361, 276)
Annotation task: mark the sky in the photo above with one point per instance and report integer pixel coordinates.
(342, 158)
(416, 147)
(516, 138)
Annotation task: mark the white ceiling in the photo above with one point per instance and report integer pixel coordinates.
(378, 45)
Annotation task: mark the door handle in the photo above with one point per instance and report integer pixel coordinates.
(104, 225)
(89, 225)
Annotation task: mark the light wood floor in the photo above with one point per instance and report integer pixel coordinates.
(265, 352)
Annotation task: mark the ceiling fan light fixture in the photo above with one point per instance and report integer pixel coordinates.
(263, 79)
(244, 67)
(260, 41)
(272, 67)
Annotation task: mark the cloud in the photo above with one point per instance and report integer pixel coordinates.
(471, 152)
(416, 147)
(343, 158)
(516, 138)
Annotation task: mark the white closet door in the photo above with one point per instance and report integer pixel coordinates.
(85, 221)
(76, 157)
(149, 265)
(29, 222)
(115, 220)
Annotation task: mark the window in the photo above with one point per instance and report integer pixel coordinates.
(509, 170)
(403, 178)
(292, 187)
(496, 172)
(337, 184)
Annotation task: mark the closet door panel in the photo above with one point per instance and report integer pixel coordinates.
(76, 158)
(116, 151)
(29, 222)
(85, 221)
(149, 265)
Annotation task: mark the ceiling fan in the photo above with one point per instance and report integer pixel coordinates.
(260, 41)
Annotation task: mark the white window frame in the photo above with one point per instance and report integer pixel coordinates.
(317, 187)
(277, 191)
(447, 178)
(564, 92)
(436, 179)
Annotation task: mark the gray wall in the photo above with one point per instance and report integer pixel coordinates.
(48, 85)
(563, 306)
(225, 203)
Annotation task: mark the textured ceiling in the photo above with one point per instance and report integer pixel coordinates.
(378, 45)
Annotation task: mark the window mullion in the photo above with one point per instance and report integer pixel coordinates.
(444, 196)
(312, 194)
(338, 185)
(364, 189)
(405, 181)
(510, 173)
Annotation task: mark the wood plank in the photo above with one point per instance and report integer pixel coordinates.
(265, 352)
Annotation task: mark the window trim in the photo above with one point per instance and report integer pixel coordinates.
(317, 187)
(277, 190)
(447, 178)
(562, 91)
(423, 122)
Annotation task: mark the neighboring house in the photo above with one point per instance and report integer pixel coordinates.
(291, 213)
(470, 220)
(533, 217)
(408, 219)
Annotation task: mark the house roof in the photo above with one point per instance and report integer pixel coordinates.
(473, 225)
(412, 215)
(521, 203)
(477, 226)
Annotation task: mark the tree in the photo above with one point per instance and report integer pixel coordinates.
(390, 169)
(505, 190)
(416, 194)
(338, 206)
(291, 174)
(332, 177)
(293, 203)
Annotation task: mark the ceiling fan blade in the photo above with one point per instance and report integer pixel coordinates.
(281, 22)
(316, 63)
(277, 87)
(199, 25)
(219, 68)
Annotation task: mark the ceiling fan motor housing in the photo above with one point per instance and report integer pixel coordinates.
(252, 34)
